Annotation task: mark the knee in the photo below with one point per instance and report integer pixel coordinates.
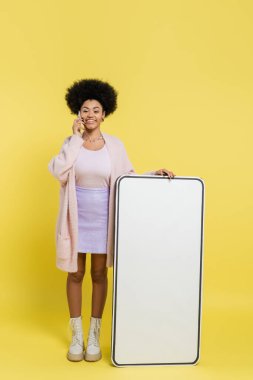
(76, 276)
(98, 276)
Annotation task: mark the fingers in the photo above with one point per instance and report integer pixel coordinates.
(169, 173)
(79, 123)
(78, 126)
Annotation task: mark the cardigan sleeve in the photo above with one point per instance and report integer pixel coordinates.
(60, 165)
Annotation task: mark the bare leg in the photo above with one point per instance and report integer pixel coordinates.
(99, 283)
(74, 287)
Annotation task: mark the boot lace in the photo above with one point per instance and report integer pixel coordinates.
(77, 334)
(77, 339)
(94, 336)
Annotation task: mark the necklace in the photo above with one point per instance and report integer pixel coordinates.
(95, 139)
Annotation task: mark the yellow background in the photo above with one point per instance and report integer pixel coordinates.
(183, 70)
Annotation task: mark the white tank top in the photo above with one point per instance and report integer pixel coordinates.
(93, 168)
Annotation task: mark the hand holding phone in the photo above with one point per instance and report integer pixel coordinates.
(78, 127)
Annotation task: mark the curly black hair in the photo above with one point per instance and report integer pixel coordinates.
(97, 89)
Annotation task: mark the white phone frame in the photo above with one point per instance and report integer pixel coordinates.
(146, 330)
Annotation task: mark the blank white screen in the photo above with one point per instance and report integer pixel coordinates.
(157, 270)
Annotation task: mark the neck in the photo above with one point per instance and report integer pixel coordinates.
(92, 133)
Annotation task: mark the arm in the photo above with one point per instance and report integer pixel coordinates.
(60, 165)
(151, 172)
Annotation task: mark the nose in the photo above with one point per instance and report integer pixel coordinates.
(90, 115)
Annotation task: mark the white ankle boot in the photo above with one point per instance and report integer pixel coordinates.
(77, 347)
(93, 351)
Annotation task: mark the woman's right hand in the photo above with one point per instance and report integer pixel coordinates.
(78, 127)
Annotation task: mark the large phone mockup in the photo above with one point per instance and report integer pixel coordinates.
(157, 270)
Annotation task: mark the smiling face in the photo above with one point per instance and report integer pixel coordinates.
(92, 113)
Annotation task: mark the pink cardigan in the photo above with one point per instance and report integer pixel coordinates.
(62, 167)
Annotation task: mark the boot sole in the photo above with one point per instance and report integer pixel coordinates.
(75, 357)
(92, 358)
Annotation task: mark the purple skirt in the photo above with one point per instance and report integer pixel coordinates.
(92, 205)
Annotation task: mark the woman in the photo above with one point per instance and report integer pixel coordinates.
(87, 167)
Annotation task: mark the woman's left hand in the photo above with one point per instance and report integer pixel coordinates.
(165, 172)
